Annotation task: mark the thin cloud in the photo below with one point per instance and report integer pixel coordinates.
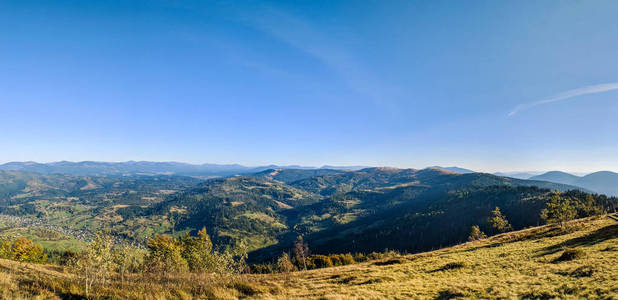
(591, 89)
(303, 36)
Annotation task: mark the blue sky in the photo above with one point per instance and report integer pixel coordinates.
(487, 85)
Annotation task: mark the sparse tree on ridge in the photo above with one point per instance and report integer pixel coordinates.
(301, 251)
(559, 210)
(498, 221)
(591, 208)
(476, 234)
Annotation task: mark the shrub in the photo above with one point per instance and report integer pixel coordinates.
(22, 249)
(320, 261)
(68, 258)
(476, 234)
(336, 259)
(374, 256)
(165, 254)
(284, 263)
(261, 269)
(5, 248)
(198, 252)
(347, 259)
(96, 262)
(360, 257)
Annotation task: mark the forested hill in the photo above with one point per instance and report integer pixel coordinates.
(365, 210)
(334, 210)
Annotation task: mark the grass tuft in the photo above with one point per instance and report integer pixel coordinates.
(393, 261)
(450, 266)
(570, 254)
(583, 271)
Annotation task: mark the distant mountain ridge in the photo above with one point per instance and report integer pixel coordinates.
(454, 169)
(518, 175)
(603, 182)
(95, 168)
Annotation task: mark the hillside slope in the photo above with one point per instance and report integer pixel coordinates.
(523, 264)
(526, 264)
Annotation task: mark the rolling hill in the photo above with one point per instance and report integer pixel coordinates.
(603, 182)
(335, 210)
(341, 211)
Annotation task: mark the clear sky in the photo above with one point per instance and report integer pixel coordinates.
(487, 85)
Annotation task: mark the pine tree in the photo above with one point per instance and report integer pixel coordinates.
(591, 208)
(559, 210)
(476, 234)
(198, 251)
(499, 221)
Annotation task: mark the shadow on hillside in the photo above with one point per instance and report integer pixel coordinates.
(515, 236)
(600, 235)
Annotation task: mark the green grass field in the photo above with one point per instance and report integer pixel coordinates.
(537, 263)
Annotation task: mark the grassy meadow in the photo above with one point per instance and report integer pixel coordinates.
(537, 263)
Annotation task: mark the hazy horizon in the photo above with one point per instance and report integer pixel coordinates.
(488, 86)
(533, 172)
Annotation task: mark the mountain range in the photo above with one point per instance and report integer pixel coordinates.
(336, 211)
(603, 182)
(95, 168)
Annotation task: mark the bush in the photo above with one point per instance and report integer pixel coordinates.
(476, 234)
(319, 261)
(22, 249)
(284, 264)
(165, 254)
(375, 255)
(198, 252)
(360, 257)
(261, 269)
(336, 259)
(347, 259)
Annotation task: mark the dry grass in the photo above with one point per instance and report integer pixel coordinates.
(519, 265)
(522, 264)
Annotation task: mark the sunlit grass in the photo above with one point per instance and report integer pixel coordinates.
(538, 263)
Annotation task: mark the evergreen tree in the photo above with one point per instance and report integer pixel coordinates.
(558, 210)
(499, 221)
(591, 208)
(198, 251)
(476, 234)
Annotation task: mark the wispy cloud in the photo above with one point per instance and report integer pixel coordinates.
(591, 89)
(305, 37)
